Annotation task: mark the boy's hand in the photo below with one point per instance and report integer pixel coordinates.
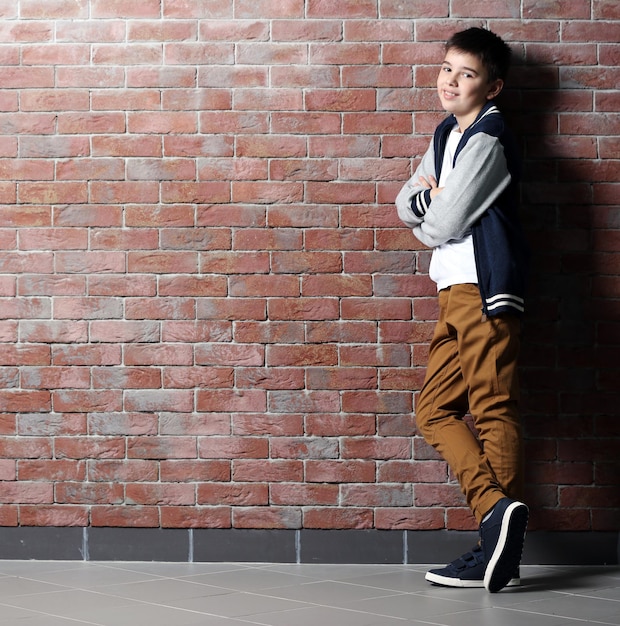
(431, 184)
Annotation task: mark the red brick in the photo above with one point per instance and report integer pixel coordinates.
(460, 519)
(227, 309)
(234, 494)
(379, 262)
(273, 425)
(195, 517)
(196, 331)
(427, 8)
(191, 286)
(286, 494)
(189, 377)
(161, 400)
(342, 332)
(268, 471)
(342, 239)
(25, 401)
(170, 494)
(377, 30)
(53, 515)
(123, 192)
(249, 400)
(333, 517)
(89, 493)
(193, 470)
(303, 309)
(271, 517)
(53, 193)
(164, 262)
(54, 332)
(55, 470)
(306, 262)
(269, 332)
(347, 8)
(589, 497)
(234, 263)
(388, 356)
(122, 470)
(353, 471)
(233, 169)
(270, 378)
(438, 495)
(298, 215)
(133, 146)
(125, 516)
(554, 9)
(308, 402)
(89, 448)
(86, 355)
(162, 308)
(125, 423)
(336, 425)
(271, 146)
(380, 448)
(409, 519)
(400, 471)
(104, 216)
(55, 378)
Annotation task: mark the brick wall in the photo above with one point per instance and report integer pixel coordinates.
(210, 314)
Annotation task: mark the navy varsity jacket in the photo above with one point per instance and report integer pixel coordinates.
(481, 196)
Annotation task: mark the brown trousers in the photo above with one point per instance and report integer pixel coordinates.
(472, 368)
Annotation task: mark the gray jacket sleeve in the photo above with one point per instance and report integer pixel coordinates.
(479, 176)
(413, 199)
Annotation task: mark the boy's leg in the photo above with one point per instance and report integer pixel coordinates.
(489, 351)
(475, 359)
(444, 400)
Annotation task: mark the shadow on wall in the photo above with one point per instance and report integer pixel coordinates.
(569, 360)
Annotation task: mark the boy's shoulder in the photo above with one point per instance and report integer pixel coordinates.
(491, 121)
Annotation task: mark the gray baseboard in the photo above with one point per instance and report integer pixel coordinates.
(290, 546)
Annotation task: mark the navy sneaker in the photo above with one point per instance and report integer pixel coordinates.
(466, 572)
(502, 535)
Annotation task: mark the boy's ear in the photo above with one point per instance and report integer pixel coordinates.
(495, 88)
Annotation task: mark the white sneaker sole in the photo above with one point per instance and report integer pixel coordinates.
(489, 584)
(447, 581)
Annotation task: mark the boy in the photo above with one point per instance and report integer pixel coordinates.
(461, 202)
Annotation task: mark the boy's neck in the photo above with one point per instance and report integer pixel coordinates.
(465, 121)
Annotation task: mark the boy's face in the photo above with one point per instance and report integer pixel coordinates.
(463, 86)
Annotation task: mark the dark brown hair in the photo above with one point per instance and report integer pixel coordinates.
(493, 52)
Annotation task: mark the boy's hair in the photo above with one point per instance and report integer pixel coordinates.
(493, 52)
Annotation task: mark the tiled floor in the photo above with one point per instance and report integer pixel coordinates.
(69, 593)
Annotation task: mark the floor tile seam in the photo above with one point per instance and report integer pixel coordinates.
(344, 582)
(248, 620)
(577, 620)
(48, 614)
(588, 596)
(392, 594)
(310, 605)
(133, 600)
(64, 588)
(100, 588)
(127, 565)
